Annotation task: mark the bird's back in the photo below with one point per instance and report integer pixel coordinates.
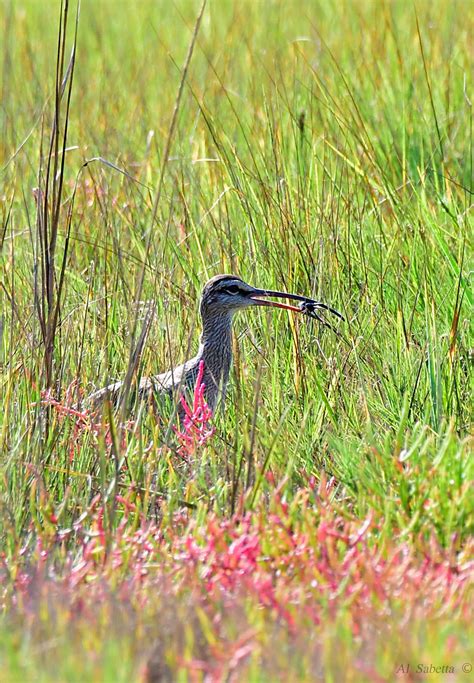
(156, 388)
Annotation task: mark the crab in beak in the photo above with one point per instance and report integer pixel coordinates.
(307, 306)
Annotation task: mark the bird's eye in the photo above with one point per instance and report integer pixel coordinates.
(232, 289)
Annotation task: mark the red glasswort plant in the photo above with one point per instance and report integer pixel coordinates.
(196, 429)
(84, 421)
(284, 568)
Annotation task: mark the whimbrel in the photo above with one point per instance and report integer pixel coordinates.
(222, 296)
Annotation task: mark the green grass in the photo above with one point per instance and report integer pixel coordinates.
(323, 148)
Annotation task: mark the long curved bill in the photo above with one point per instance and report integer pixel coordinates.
(307, 306)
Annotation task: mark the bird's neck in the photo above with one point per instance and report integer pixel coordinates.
(216, 329)
(216, 352)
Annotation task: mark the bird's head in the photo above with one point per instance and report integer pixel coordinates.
(225, 294)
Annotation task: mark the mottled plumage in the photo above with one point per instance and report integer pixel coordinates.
(222, 296)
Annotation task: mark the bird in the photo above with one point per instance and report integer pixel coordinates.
(222, 296)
